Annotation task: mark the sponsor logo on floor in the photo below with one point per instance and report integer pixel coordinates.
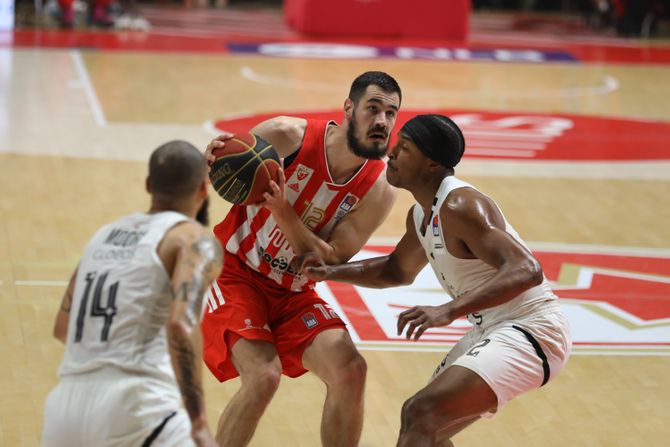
(617, 303)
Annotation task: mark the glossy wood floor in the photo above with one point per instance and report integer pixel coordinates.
(70, 162)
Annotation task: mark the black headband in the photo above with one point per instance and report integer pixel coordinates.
(438, 137)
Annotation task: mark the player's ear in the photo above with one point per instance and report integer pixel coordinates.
(348, 108)
(434, 166)
(203, 190)
(147, 185)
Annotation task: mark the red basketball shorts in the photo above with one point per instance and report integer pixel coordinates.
(245, 304)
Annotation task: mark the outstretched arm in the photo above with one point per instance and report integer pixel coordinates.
(348, 236)
(398, 268)
(198, 262)
(63, 315)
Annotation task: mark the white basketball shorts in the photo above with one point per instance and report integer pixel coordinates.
(514, 356)
(111, 408)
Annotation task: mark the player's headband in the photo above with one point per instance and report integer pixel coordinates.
(438, 137)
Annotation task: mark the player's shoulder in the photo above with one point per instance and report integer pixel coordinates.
(192, 236)
(285, 133)
(187, 230)
(469, 206)
(462, 199)
(381, 193)
(289, 126)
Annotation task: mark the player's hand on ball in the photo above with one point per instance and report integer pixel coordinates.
(216, 143)
(275, 199)
(312, 266)
(420, 318)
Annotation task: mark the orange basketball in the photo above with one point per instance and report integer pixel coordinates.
(244, 168)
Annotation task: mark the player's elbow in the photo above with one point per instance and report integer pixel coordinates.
(399, 276)
(532, 272)
(404, 278)
(60, 329)
(177, 328)
(60, 334)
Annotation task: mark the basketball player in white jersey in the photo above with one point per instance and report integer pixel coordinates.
(130, 320)
(519, 339)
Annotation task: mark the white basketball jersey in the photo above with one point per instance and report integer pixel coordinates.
(120, 301)
(458, 276)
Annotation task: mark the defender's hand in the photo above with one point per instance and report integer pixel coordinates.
(420, 318)
(312, 266)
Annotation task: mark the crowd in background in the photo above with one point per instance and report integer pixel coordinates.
(628, 18)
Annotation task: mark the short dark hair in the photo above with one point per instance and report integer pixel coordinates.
(176, 170)
(378, 78)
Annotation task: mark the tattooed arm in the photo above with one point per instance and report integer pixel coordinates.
(63, 315)
(197, 262)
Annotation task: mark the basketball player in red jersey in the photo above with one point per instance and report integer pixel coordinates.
(264, 317)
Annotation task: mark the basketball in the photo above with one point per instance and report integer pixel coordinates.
(244, 168)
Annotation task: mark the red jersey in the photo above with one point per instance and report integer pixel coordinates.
(251, 233)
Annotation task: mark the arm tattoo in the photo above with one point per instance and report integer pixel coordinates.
(204, 256)
(184, 359)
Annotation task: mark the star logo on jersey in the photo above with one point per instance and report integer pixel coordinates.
(303, 172)
(299, 179)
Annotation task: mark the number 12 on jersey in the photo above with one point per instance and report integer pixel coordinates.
(108, 312)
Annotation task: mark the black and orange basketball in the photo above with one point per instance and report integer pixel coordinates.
(244, 168)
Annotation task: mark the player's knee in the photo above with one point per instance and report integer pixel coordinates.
(265, 379)
(419, 414)
(356, 369)
(351, 375)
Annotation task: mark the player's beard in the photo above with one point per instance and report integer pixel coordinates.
(374, 152)
(203, 212)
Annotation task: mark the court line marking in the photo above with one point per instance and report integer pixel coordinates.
(579, 350)
(608, 85)
(89, 90)
(560, 247)
(536, 246)
(557, 247)
(40, 283)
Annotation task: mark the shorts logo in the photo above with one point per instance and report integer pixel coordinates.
(248, 325)
(310, 320)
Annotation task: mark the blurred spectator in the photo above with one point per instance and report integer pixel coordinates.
(99, 14)
(636, 18)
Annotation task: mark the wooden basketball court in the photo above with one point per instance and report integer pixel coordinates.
(77, 125)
